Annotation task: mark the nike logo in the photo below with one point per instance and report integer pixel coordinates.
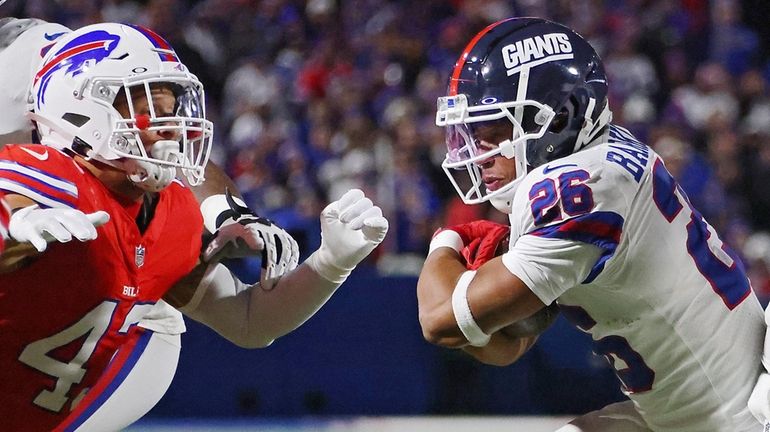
(39, 156)
(52, 36)
(548, 169)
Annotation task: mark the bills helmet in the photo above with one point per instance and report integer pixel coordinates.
(83, 74)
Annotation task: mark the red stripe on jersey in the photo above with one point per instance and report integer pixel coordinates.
(453, 82)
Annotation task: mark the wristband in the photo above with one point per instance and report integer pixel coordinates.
(446, 238)
(463, 315)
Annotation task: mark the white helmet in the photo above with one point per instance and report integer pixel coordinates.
(23, 43)
(78, 81)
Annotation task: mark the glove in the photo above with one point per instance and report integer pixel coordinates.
(40, 226)
(236, 232)
(482, 249)
(351, 228)
(477, 242)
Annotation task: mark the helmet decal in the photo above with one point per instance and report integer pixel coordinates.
(535, 51)
(83, 51)
(164, 49)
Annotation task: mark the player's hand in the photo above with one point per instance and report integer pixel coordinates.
(351, 228)
(477, 242)
(239, 232)
(40, 226)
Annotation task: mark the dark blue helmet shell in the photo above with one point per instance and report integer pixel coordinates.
(539, 60)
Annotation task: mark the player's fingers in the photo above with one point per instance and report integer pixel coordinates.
(78, 224)
(285, 253)
(37, 241)
(55, 229)
(271, 254)
(98, 218)
(358, 221)
(350, 197)
(375, 229)
(251, 237)
(294, 255)
(355, 210)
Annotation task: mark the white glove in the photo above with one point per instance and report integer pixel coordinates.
(239, 232)
(351, 228)
(40, 226)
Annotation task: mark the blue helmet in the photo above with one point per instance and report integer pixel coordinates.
(543, 78)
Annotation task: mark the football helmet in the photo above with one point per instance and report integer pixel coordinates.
(543, 78)
(86, 71)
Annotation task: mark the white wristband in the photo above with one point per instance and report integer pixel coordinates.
(462, 312)
(446, 238)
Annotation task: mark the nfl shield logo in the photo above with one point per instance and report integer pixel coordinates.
(139, 256)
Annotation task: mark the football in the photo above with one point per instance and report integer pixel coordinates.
(535, 324)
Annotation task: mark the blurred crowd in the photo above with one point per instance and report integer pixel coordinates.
(312, 97)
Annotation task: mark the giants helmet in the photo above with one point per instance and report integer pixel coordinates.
(543, 78)
(81, 76)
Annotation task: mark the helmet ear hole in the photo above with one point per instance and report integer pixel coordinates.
(75, 119)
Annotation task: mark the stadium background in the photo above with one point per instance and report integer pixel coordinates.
(313, 97)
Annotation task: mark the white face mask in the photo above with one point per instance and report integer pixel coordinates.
(151, 176)
(464, 155)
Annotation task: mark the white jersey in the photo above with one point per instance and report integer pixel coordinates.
(23, 43)
(607, 233)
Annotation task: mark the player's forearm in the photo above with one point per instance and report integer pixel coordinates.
(435, 285)
(252, 317)
(16, 255)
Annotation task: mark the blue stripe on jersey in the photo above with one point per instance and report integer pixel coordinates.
(602, 229)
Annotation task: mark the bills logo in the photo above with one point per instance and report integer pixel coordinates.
(75, 57)
(535, 51)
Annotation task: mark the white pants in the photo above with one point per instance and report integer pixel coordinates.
(617, 417)
(135, 380)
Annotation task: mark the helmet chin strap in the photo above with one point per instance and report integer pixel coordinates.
(151, 176)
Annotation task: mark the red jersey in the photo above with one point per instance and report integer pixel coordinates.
(5, 215)
(63, 316)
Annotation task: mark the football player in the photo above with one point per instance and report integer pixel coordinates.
(598, 226)
(120, 114)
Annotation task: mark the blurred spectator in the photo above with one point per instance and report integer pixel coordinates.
(311, 98)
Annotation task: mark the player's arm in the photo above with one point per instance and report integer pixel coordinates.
(495, 299)
(31, 228)
(254, 315)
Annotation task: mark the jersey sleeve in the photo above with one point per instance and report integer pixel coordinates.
(41, 174)
(570, 217)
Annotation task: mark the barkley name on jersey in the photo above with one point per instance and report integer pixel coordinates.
(64, 314)
(608, 234)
